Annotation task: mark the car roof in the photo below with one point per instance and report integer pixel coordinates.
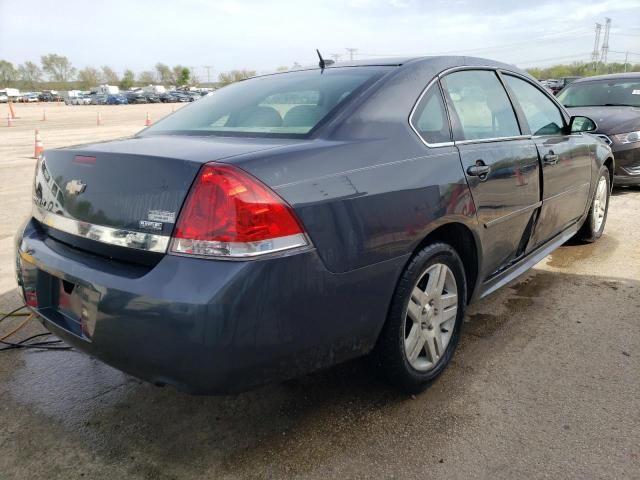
(442, 62)
(611, 76)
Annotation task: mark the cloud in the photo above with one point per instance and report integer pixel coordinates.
(263, 35)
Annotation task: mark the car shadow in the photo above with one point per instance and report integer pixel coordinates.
(621, 191)
(291, 429)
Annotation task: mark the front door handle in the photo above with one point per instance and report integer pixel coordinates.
(550, 158)
(480, 170)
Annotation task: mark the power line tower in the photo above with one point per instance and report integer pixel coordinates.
(605, 42)
(208, 68)
(352, 52)
(595, 56)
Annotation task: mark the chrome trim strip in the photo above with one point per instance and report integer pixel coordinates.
(495, 139)
(495, 221)
(295, 243)
(148, 242)
(413, 111)
(566, 192)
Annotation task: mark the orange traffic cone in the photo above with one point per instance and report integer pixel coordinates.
(99, 120)
(147, 122)
(38, 148)
(11, 112)
(9, 120)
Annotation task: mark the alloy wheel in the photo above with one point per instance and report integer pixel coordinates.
(600, 204)
(430, 317)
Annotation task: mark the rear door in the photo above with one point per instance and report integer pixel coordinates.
(501, 164)
(565, 159)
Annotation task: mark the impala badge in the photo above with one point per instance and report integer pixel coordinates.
(75, 187)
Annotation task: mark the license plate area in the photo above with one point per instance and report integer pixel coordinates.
(71, 306)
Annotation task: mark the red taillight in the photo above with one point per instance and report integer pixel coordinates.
(229, 213)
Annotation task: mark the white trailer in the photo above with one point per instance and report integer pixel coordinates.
(11, 93)
(157, 89)
(108, 89)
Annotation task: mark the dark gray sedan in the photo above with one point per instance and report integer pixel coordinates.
(613, 102)
(293, 221)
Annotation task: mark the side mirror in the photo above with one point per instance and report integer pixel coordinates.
(580, 124)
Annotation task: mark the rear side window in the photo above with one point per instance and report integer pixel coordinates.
(430, 119)
(543, 117)
(481, 105)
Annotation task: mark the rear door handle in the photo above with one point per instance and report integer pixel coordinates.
(550, 158)
(480, 170)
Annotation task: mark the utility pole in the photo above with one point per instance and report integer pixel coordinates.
(352, 52)
(596, 47)
(626, 59)
(208, 68)
(605, 43)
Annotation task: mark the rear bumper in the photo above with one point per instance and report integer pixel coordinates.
(205, 326)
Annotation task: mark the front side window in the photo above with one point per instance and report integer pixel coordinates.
(542, 115)
(430, 118)
(282, 105)
(602, 93)
(481, 105)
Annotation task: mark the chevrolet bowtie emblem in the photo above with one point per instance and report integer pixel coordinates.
(75, 187)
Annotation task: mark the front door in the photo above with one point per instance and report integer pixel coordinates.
(565, 159)
(501, 164)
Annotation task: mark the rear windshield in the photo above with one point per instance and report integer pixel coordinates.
(622, 92)
(282, 105)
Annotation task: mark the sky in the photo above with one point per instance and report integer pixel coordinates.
(263, 35)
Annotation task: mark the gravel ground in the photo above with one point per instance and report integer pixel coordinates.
(545, 383)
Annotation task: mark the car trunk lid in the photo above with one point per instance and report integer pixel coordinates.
(126, 193)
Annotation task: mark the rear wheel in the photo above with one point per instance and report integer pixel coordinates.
(423, 326)
(593, 226)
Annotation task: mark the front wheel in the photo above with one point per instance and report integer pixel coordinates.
(423, 326)
(593, 226)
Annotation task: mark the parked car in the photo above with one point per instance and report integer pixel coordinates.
(168, 98)
(259, 234)
(613, 102)
(135, 97)
(3, 98)
(50, 97)
(98, 99)
(28, 97)
(152, 97)
(116, 99)
(563, 82)
(181, 97)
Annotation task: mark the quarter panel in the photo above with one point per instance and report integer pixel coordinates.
(364, 216)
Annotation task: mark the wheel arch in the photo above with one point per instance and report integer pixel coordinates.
(610, 166)
(462, 239)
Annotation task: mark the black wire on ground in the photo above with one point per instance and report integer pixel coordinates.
(44, 345)
(13, 313)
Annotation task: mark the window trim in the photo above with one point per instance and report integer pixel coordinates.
(434, 81)
(496, 72)
(520, 110)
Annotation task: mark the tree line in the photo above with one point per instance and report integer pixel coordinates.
(57, 72)
(582, 69)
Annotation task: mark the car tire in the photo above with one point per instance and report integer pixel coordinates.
(416, 318)
(593, 225)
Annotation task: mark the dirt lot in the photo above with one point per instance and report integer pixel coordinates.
(545, 383)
